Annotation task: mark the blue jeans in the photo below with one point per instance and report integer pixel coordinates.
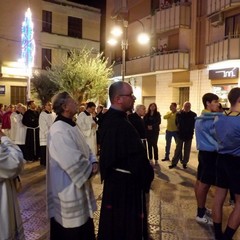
(168, 137)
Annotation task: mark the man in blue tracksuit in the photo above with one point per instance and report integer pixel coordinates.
(227, 128)
(207, 156)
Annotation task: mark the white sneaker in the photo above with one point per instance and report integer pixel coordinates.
(205, 219)
(208, 212)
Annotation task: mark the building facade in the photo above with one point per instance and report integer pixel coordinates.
(58, 27)
(194, 49)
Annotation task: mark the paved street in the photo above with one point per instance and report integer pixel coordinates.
(172, 202)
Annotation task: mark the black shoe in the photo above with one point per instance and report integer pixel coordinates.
(172, 166)
(165, 159)
(184, 166)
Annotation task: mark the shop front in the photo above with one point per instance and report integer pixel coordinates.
(222, 81)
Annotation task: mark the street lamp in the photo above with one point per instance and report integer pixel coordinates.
(118, 31)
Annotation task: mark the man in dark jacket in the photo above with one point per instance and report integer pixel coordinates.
(185, 120)
(125, 170)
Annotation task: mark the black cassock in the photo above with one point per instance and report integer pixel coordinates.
(32, 146)
(127, 176)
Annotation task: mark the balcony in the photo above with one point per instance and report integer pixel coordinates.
(214, 6)
(52, 40)
(226, 49)
(173, 18)
(135, 66)
(171, 60)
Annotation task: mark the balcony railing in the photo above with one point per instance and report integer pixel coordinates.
(66, 42)
(173, 18)
(171, 60)
(226, 49)
(214, 6)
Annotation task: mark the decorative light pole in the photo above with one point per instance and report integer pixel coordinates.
(117, 31)
(28, 48)
(124, 46)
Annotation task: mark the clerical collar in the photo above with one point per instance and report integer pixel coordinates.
(87, 113)
(46, 111)
(66, 120)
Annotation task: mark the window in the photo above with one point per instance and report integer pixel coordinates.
(183, 95)
(74, 27)
(232, 26)
(46, 21)
(46, 58)
(18, 95)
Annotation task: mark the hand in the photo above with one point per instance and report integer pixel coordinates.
(94, 168)
(149, 127)
(1, 134)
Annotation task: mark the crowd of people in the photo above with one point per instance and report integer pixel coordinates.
(75, 142)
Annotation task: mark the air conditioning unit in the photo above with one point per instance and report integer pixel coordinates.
(217, 19)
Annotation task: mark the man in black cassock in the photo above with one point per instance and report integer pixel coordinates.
(136, 119)
(125, 170)
(30, 120)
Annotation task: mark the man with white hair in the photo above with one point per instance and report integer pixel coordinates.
(185, 120)
(137, 121)
(71, 164)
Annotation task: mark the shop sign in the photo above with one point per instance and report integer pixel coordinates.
(224, 73)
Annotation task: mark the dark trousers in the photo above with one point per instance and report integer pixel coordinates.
(22, 147)
(43, 155)
(186, 146)
(85, 232)
(152, 141)
(32, 145)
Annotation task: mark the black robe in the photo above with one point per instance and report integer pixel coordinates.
(138, 123)
(32, 145)
(123, 211)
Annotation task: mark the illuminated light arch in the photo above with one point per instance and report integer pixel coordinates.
(28, 47)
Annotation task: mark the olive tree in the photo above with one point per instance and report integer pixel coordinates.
(42, 87)
(83, 74)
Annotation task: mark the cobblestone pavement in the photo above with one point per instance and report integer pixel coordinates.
(172, 205)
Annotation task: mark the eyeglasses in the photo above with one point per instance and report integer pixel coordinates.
(127, 95)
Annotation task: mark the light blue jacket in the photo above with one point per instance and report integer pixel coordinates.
(227, 130)
(205, 133)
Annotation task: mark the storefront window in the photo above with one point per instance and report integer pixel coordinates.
(222, 92)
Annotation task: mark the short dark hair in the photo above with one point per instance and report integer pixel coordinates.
(58, 100)
(114, 89)
(234, 95)
(174, 104)
(208, 97)
(90, 105)
(29, 102)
